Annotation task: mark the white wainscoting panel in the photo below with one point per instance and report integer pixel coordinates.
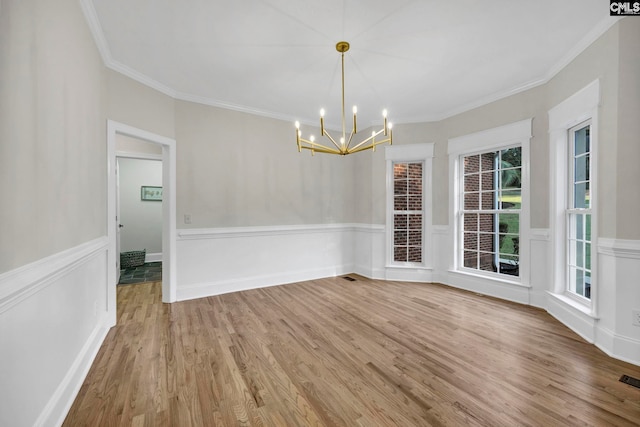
(619, 297)
(52, 323)
(217, 261)
(442, 252)
(539, 273)
(369, 250)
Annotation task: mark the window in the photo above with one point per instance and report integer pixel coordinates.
(408, 225)
(489, 209)
(573, 156)
(407, 212)
(490, 215)
(579, 212)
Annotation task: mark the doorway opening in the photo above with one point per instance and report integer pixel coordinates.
(139, 210)
(115, 131)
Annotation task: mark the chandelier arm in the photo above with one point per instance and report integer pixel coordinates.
(328, 135)
(367, 140)
(369, 147)
(312, 145)
(322, 149)
(350, 139)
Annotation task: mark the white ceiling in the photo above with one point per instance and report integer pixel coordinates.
(423, 60)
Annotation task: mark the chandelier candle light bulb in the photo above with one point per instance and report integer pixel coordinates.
(344, 147)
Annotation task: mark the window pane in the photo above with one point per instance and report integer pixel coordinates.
(400, 238)
(486, 223)
(578, 223)
(582, 196)
(582, 169)
(587, 250)
(488, 181)
(472, 201)
(511, 223)
(414, 254)
(415, 171)
(588, 227)
(486, 242)
(400, 187)
(487, 261)
(579, 282)
(415, 221)
(511, 157)
(400, 203)
(579, 254)
(470, 259)
(471, 164)
(470, 222)
(415, 237)
(472, 182)
(400, 221)
(415, 186)
(511, 178)
(582, 140)
(415, 203)
(510, 199)
(488, 200)
(470, 241)
(399, 170)
(488, 161)
(400, 254)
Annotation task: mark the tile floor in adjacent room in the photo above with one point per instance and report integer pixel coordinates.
(148, 272)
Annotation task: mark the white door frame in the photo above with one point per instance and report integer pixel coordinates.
(168, 212)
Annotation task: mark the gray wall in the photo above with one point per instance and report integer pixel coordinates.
(237, 169)
(142, 219)
(52, 131)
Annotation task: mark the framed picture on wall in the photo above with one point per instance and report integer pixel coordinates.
(153, 194)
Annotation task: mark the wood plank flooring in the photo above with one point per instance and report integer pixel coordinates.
(336, 353)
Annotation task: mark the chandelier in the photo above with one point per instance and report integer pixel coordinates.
(345, 145)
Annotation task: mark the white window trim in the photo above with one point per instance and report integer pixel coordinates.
(578, 108)
(513, 134)
(411, 153)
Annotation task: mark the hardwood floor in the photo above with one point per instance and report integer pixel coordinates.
(336, 353)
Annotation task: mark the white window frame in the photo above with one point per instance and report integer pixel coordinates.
(582, 107)
(571, 210)
(495, 139)
(412, 153)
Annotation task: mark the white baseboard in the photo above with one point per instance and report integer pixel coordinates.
(203, 290)
(56, 410)
(156, 257)
(617, 346)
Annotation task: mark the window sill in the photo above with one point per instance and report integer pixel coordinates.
(490, 277)
(566, 300)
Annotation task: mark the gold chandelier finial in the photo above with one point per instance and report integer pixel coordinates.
(344, 147)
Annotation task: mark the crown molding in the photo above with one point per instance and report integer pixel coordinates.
(103, 47)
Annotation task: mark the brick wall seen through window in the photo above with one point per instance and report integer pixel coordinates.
(490, 215)
(407, 212)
